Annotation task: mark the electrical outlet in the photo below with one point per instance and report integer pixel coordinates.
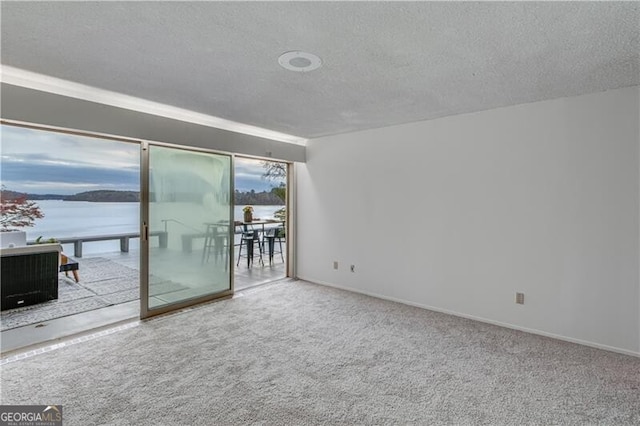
(520, 298)
(335, 264)
(353, 268)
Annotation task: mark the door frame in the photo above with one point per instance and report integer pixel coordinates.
(290, 227)
(145, 312)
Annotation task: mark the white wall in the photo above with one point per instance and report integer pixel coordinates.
(459, 213)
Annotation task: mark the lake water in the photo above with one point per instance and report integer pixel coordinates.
(65, 219)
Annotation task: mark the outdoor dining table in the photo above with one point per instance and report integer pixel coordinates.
(262, 223)
(214, 238)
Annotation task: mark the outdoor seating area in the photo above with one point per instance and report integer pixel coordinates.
(90, 283)
(255, 239)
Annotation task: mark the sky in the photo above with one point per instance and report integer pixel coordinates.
(43, 162)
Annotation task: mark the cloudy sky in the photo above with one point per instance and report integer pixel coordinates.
(249, 176)
(41, 162)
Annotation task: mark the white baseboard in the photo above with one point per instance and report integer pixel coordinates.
(480, 319)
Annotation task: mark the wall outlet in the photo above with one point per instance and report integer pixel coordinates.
(335, 264)
(520, 298)
(353, 268)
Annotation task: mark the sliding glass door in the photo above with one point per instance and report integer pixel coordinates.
(186, 207)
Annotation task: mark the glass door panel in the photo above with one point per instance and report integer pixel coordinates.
(189, 213)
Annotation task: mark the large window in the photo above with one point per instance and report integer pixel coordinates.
(84, 186)
(82, 192)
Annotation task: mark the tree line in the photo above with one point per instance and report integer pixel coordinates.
(264, 198)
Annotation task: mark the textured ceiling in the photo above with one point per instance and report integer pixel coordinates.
(384, 63)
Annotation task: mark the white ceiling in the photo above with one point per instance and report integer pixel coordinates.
(384, 63)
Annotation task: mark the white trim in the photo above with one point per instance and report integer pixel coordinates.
(45, 83)
(484, 320)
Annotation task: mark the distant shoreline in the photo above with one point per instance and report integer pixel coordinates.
(101, 196)
(109, 196)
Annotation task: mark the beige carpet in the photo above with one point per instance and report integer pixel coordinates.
(293, 353)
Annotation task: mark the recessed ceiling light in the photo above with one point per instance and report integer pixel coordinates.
(299, 61)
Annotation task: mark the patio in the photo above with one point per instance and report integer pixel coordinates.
(108, 290)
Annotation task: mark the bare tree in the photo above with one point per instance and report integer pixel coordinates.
(274, 170)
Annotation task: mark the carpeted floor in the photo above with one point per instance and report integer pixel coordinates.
(294, 353)
(102, 283)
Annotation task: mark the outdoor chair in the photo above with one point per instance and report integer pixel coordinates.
(271, 235)
(67, 264)
(249, 238)
(215, 242)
